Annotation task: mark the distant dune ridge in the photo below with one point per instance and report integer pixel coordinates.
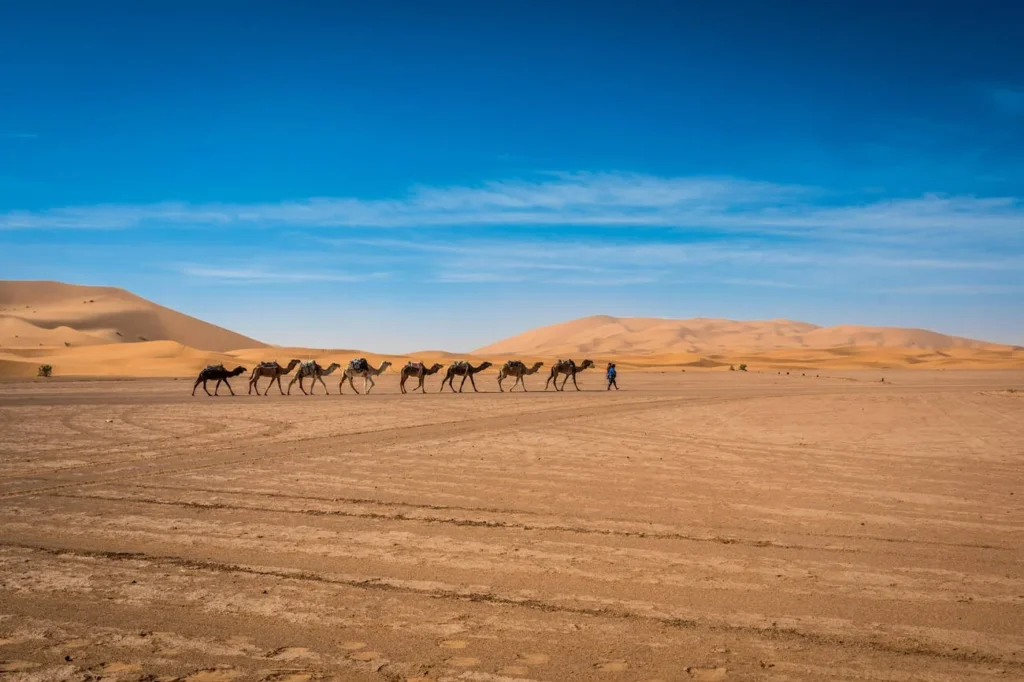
(104, 331)
(604, 335)
(55, 314)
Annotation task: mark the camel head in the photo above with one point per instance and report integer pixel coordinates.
(437, 367)
(537, 365)
(333, 366)
(292, 363)
(483, 366)
(384, 365)
(237, 370)
(586, 364)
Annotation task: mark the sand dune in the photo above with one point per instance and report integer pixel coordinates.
(602, 335)
(103, 331)
(57, 314)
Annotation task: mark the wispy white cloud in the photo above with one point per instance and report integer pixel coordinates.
(726, 205)
(260, 276)
(965, 289)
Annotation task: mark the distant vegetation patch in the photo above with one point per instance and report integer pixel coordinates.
(45, 371)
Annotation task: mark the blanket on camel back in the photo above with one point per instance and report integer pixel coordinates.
(359, 365)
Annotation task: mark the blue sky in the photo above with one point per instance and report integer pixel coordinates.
(404, 175)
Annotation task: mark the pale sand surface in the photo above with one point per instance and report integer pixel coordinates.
(697, 526)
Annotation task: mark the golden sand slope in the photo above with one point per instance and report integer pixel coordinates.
(602, 335)
(101, 331)
(34, 314)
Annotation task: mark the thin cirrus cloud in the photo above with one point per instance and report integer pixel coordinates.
(727, 205)
(261, 276)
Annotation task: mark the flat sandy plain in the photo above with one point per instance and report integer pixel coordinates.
(693, 526)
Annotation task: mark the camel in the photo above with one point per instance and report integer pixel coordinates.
(218, 372)
(361, 368)
(462, 369)
(270, 369)
(418, 370)
(569, 369)
(517, 369)
(315, 372)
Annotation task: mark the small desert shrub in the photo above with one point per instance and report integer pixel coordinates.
(45, 371)
(68, 344)
(731, 368)
(142, 338)
(743, 368)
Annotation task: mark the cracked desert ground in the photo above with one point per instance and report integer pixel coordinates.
(704, 526)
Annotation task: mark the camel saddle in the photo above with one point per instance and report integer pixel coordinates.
(359, 365)
(310, 365)
(415, 365)
(270, 363)
(215, 368)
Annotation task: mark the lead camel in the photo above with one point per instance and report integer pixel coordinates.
(569, 369)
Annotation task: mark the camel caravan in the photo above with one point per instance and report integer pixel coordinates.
(360, 367)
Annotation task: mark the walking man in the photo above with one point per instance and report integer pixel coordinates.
(611, 376)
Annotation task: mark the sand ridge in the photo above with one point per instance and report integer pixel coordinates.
(34, 313)
(602, 334)
(108, 332)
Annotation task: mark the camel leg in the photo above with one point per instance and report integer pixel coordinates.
(574, 381)
(401, 384)
(292, 383)
(564, 382)
(321, 380)
(252, 379)
(422, 386)
(196, 385)
(462, 383)
(473, 382)
(216, 388)
(548, 382)
(353, 385)
(372, 384)
(500, 377)
(229, 386)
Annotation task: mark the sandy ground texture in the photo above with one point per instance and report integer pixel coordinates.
(715, 526)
